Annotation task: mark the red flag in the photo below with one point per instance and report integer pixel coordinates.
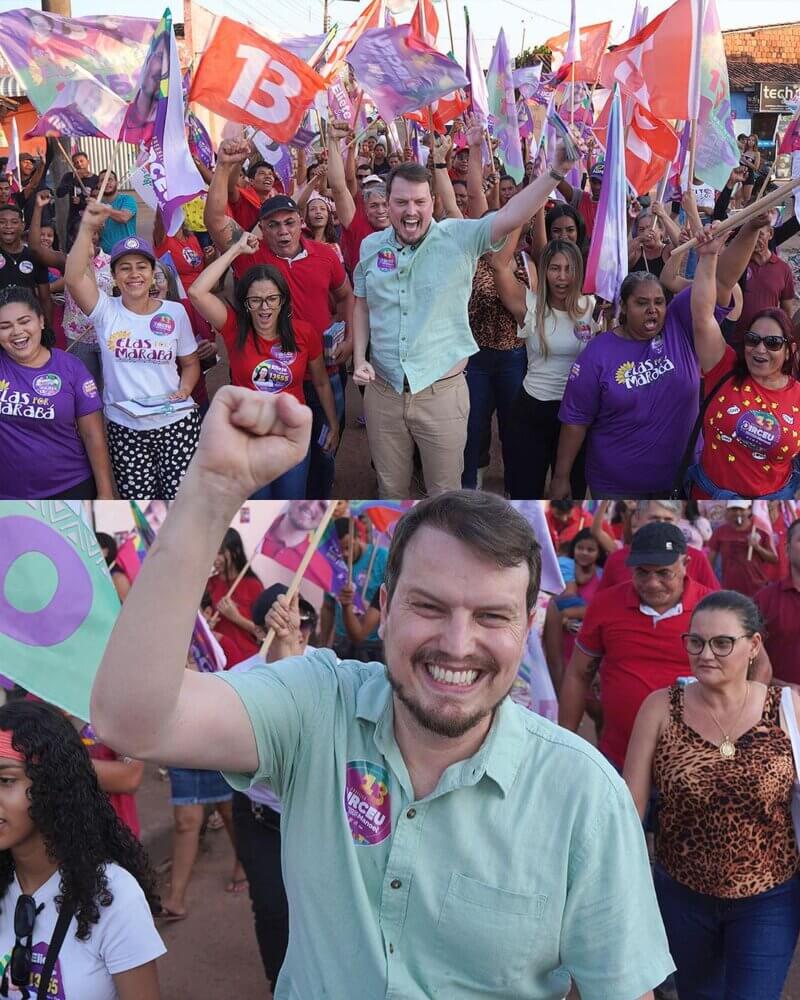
(655, 66)
(593, 40)
(370, 17)
(431, 32)
(246, 78)
(650, 146)
(445, 110)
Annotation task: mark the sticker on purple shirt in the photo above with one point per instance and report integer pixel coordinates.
(47, 384)
(367, 802)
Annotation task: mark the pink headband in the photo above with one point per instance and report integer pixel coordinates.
(7, 751)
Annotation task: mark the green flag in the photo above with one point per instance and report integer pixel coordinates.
(57, 602)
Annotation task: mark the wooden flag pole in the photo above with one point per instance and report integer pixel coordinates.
(365, 588)
(692, 152)
(68, 158)
(768, 201)
(450, 27)
(109, 170)
(215, 617)
(294, 586)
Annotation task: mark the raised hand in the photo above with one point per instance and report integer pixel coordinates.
(43, 198)
(248, 440)
(284, 618)
(247, 244)
(473, 131)
(233, 151)
(338, 130)
(95, 214)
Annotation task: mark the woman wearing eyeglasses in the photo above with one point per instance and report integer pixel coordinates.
(70, 871)
(269, 350)
(751, 428)
(719, 755)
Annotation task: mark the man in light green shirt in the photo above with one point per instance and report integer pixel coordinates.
(438, 840)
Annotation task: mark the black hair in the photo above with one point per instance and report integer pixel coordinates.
(50, 223)
(745, 609)
(565, 506)
(559, 211)
(171, 275)
(232, 544)
(80, 830)
(329, 232)
(629, 286)
(485, 523)
(107, 542)
(794, 526)
(585, 535)
(25, 296)
(414, 173)
(205, 601)
(255, 167)
(12, 207)
(264, 272)
(791, 364)
(342, 526)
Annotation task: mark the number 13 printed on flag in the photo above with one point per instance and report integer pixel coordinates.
(263, 84)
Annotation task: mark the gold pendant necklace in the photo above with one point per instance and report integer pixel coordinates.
(727, 749)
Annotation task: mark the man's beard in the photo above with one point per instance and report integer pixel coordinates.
(452, 727)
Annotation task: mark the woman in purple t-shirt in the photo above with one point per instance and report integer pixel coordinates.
(51, 426)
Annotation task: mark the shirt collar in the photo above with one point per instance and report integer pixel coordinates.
(687, 601)
(499, 756)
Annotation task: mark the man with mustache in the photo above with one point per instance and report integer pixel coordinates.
(412, 287)
(438, 839)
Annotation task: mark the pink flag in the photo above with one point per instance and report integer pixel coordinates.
(607, 263)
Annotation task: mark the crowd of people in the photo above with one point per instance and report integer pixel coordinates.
(443, 290)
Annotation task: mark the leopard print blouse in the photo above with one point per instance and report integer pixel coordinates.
(725, 826)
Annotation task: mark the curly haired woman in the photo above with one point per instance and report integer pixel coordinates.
(62, 845)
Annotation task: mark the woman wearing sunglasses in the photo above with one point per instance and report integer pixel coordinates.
(719, 754)
(751, 427)
(76, 888)
(269, 350)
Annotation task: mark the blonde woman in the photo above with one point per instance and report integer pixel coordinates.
(556, 321)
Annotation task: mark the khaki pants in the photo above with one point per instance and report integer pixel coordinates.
(435, 419)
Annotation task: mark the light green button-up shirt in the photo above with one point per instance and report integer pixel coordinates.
(526, 864)
(418, 297)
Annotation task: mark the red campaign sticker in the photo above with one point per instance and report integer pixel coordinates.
(367, 803)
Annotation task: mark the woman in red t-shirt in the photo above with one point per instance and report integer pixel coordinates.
(268, 349)
(751, 428)
(233, 613)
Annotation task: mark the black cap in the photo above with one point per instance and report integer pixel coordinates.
(280, 203)
(657, 544)
(267, 598)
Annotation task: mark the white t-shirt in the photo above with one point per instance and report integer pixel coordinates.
(704, 196)
(546, 378)
(139, 355)
(124, 938)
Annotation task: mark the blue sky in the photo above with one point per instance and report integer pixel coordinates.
(538, 18)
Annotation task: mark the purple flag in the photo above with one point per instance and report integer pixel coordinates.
(199, 141)
(528, 79)
(479, 96)
(503, 108)
(607, 263)
(400, 72)
(155, 119)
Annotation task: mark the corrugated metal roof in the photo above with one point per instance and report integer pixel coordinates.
(9, 87)
(744, 73)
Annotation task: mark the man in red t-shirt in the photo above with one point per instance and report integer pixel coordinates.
(768, 282)
(566, 518)
(745, 550)
(585, 202)
(360, 216)
(616, 569)
(315, 276)
(636, 629)
(245, 200)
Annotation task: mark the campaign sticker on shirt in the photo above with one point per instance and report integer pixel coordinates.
(367, 802)
(759, 431)
(789, 420)
(272, 375)
(162, 324)
(733, 410)
(657, 344)
(583, 331)
(89, 388)
(47, 385)
(26, 266)
(575, 371)
(285, 357)
(387, 260)
(192, 258)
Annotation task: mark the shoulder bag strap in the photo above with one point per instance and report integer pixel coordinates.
(688, 455)
(60, 932)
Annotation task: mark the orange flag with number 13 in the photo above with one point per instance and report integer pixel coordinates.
(246, 78)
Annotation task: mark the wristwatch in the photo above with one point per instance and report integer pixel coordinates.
(440, 166)
(556, 175)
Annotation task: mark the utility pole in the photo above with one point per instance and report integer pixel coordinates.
(326, 18)
(62, 7)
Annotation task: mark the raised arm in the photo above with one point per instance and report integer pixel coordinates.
(201, 293)
(78, 271)
(441, 178)
(342, 196)
(477, 205)
(222, 229)
(47, 256)
(512, 292)
(144, 702)
(671, 228)
(520, 209)
(736, 256)
(709, 344)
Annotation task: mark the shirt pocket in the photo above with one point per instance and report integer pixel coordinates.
(491, 930)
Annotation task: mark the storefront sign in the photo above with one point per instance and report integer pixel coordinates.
(776, 97)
